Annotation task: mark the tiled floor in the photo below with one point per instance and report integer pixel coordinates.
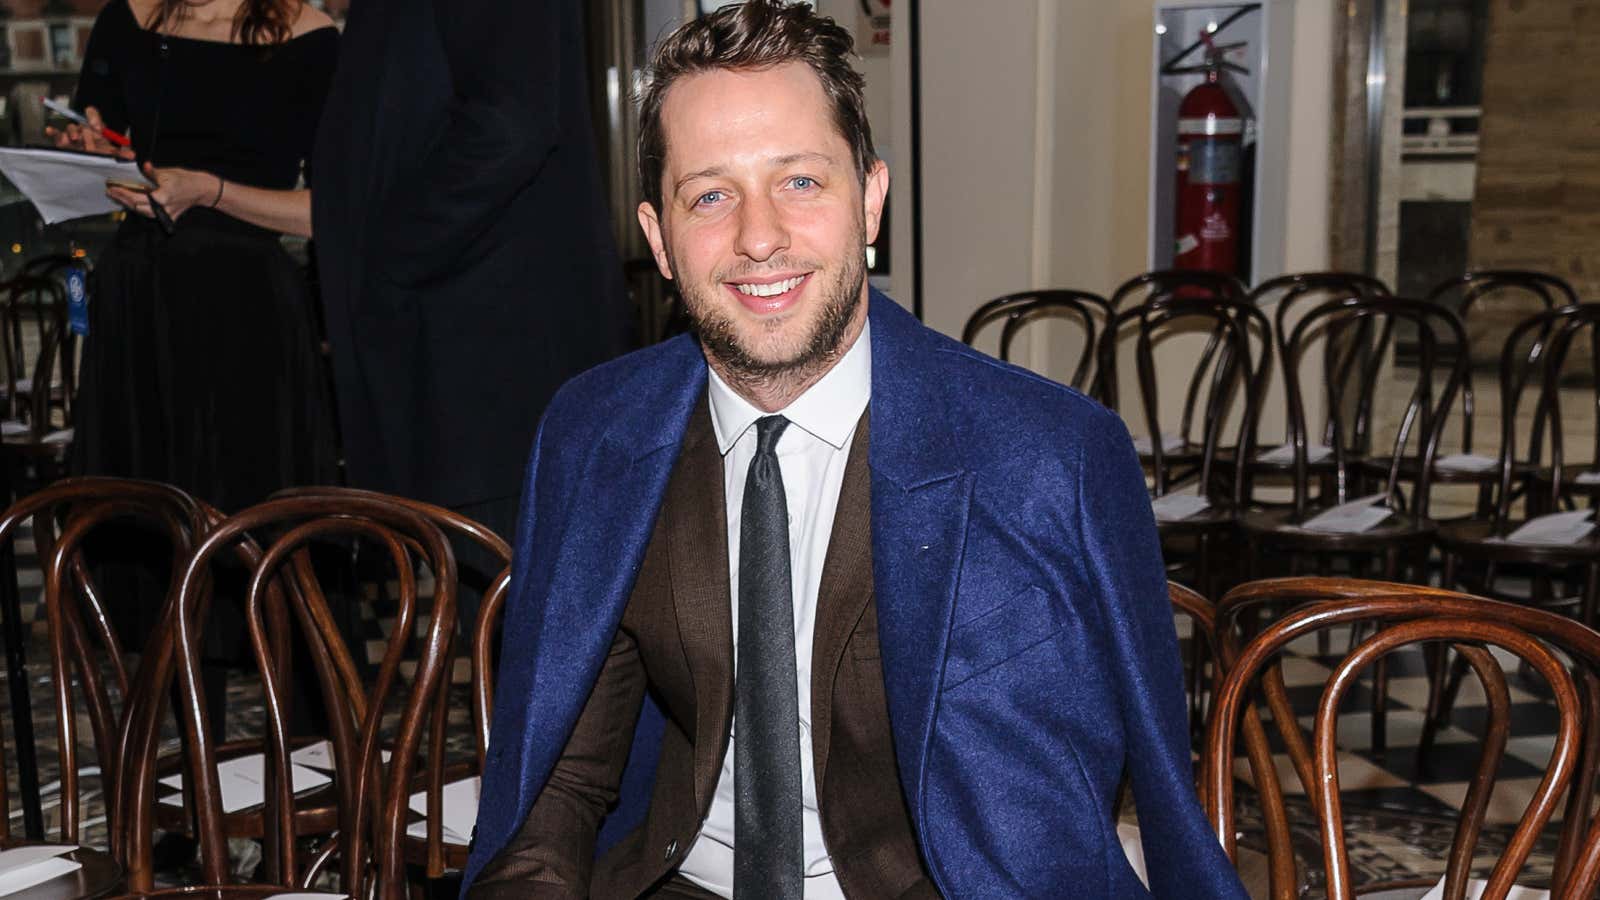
(1399, 818)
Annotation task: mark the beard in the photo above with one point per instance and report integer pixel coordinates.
(815, 351)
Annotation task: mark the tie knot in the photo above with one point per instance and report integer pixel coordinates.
(768, 430)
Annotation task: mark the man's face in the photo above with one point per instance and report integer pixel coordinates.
(763, 221)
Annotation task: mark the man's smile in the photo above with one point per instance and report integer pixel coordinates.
(769, 295)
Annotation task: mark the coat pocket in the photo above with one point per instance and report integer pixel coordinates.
(999, 635)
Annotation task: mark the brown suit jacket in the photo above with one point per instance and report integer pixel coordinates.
(676, 639)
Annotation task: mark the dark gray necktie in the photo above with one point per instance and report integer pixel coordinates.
(768, 844)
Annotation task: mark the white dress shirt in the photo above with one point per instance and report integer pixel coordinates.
(811, 454)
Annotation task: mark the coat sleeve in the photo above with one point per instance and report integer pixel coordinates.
(1123, 554)
(505, 74)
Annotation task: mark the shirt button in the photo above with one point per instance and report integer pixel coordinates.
(672, 848)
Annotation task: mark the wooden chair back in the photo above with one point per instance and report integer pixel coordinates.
(1369, 323)
(283, 594)
(1166, 283)
(1233, 369)
(82, 641)
(39, 353)
(1403, 614)
(482, 636)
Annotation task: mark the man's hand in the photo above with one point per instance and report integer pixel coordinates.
(177, 190)
(88, 139)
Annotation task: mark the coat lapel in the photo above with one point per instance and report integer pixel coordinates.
(601, 536)
(698, 561)
(920, 499)
(843, 594)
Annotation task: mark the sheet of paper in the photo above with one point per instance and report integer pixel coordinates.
(1282, 456)
(1475, 891)
(1466, 462)
(1555, 528)
(24, 877)
(316, 756)
(1587, 478)
(1169, 443)
(65, 185)
(419, 830)
(1353, 517)
(243, 782)
(460, 800)
(1177, 507)
(21, 857)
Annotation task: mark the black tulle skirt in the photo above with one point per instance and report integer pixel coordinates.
(201, 366)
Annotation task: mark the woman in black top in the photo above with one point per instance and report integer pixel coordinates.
(201, 367)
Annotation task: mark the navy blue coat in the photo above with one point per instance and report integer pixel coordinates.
(1028, 648)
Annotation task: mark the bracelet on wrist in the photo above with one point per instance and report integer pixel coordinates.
(218, 199)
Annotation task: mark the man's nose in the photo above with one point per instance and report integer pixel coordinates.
(761, 229)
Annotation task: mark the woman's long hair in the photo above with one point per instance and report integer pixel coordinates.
(257, 22)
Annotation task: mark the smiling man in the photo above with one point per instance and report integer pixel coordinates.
(817, 603)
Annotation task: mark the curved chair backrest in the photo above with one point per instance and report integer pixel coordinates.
(1404, 614)
(81, 638)
(1233, 366)
(1164, 283)
(1089, 311)
(482, 637)
(39, 349)
(284, 593)
(1290, 292)
(1371, 321)
(1535, 355)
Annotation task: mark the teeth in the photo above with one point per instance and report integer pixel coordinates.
(770, 290)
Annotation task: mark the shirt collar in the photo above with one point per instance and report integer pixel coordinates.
(828, 410)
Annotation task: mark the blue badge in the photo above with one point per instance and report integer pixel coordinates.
(77, 300)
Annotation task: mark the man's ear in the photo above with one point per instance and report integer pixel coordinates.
(650, 223)
(875, 190)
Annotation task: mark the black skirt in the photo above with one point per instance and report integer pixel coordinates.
(201, 367)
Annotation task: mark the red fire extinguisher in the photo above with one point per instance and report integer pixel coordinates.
(1210, 170)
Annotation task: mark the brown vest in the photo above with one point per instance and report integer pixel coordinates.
(679, 614)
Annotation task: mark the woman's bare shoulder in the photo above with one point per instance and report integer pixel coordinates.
(310, 19)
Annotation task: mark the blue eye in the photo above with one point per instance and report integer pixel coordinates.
(709, 197)
(803, 182)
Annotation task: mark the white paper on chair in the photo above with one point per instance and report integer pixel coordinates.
(1556, 528)
(1169, 443)
(1471, 463)
(1177, 507)
(1475, 891)
(1587, 478)
(320, 756)
(460, 800)
(1354, 517)
(25, 867)
(243, 782)
(1282, 456)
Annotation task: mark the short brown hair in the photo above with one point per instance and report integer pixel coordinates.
(758, 34)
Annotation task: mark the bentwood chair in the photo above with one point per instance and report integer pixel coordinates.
(1163, 283)
(1227, 383)
(86, 657)
(1201, 666)
(370, 794)
(1287, 297)
(1409, 530)
(1405, 615)
(428, 843)
(1088, 310)
(36, 428)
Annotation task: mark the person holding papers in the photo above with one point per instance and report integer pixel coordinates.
(201, 367)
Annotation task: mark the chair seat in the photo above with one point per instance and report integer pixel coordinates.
(230, 892)
(1477, 539)
(98, 875)
(1278, 527)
